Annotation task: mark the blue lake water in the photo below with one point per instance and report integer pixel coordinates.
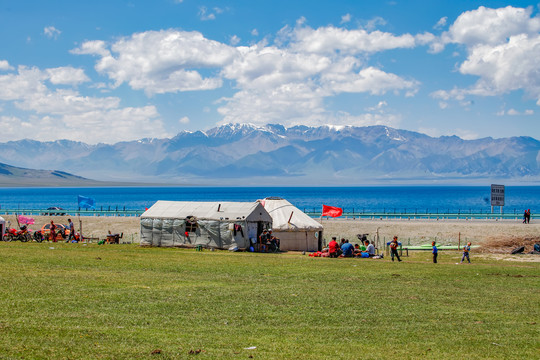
(398, 198)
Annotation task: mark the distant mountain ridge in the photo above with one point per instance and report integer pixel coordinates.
(16, 176)
(245, 154)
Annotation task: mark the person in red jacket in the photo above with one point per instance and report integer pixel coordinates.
(52, 232)
(333, 248)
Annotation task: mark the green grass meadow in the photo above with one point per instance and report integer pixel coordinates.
(128, 302)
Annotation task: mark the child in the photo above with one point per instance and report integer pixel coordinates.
(393, 249)
(435, 252)
(466, 250)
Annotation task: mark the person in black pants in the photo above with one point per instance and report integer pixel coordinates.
(393, 249)
(435, 252)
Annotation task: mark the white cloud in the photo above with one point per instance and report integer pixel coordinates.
(235, 40)
(370, 79)
(287, 81)
(28, 81)
(255, 32)
(184, 120)
(67, 75)
(95, 47)
(345, 18)
(491, 26)
(161, 61)
(205, 14)
(63, 113)
(373, 23)
(514, 112)
(329, 39)
(4, 65)
(502, 45)
(51, 32)
(441, 23)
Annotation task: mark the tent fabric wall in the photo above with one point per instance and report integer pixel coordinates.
(2, 226)
(164, 224)
(292, 226)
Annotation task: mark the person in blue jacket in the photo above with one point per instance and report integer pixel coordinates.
(348, 249)
(435, 252)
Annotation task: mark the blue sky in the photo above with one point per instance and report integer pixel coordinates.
(108, 71)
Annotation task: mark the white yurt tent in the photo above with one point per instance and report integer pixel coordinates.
(2, 226)
(295, 229)
(221, 225)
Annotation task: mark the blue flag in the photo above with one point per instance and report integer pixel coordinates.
(86, 202)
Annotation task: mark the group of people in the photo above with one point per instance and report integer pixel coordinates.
(346, 249)
(466, 250)
(71, 237)
(268, 242)
(527, 216)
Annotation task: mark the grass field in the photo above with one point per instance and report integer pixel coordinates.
(128, 302)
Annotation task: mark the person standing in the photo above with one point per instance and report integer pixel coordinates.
(435, 251)
(466, 250)
(52, 232)
(71, 231)
(393, 249)
(528, 212)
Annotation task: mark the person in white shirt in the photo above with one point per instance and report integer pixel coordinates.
(370, 248)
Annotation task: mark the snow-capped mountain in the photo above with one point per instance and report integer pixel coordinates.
(244, 154)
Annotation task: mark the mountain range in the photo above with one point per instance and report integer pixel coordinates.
(245, 154)
(12, 176)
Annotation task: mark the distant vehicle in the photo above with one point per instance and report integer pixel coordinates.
(54, 210)
(62, 231)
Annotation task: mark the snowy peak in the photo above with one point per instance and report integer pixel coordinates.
(297, 155)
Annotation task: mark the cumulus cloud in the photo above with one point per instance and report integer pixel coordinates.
(330, 39)
(83, 118)
(184, 120)
(492, 26)
(286, 81)
(4, 65)
(502, 45)
(161, 61)
(67, 75)
(51, 32)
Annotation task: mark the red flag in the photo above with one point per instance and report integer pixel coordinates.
(331, 211)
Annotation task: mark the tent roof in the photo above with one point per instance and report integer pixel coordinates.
(281, 210)
(208, 210)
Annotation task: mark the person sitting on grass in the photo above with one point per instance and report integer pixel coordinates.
(370, 248)
(466, 250)
(333, 248)
(357, 250)
(273, 242)
(347, 249)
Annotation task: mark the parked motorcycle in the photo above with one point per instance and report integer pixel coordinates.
(22, 235)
